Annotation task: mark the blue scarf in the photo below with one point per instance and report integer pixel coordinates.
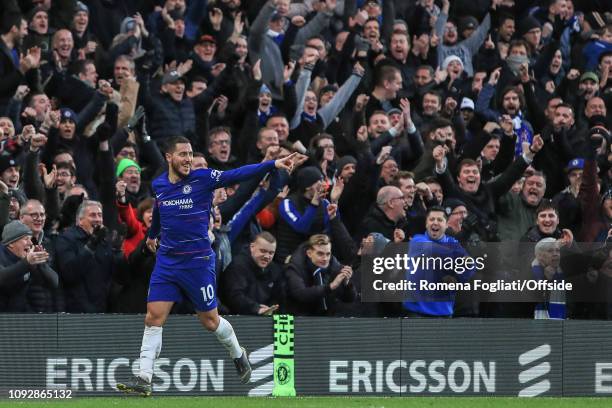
(523, 134)
(263, 116)
(309, 118)
(276, 37)
(554, 306)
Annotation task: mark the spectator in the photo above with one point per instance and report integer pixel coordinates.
(387, 83)
(546, 266)
(13, 69)
(253, 283)
(547, 226)
(129, 171)
(480, 198)
(137, 220)
(435, 243)
(220, 149)
(567, 140)
(517, 212)
(43, 294)
(456, 213)
(66, 179)
(566, 201)
(39, 34)
(465, 49)
(303, 213)
(316, 281)
(86, 261)
(388, 215)
(21, 263)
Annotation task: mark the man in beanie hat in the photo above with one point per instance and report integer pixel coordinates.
(10, 175)
(129, 182)
(303, 212)
(467, 26)
(39, 34)
(588, 86)
(530, 29)
(13, 232)
(456, 212)
(346, 166)
(19, 262)
(9, 172)
(266, 109)
(358, 193)
(454, 67)
(84, 39)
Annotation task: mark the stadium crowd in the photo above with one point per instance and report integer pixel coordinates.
(487, 120)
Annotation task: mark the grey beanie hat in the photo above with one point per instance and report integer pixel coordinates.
(344, 160)
(13, 231)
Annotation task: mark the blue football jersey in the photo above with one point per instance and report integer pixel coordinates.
(182, 210)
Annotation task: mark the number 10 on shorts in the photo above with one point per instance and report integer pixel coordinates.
(208, 292)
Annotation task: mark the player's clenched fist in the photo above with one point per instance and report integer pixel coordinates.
(152, 244)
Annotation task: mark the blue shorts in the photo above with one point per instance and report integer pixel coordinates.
(174, 285)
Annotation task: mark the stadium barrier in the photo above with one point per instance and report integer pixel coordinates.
(88, 354)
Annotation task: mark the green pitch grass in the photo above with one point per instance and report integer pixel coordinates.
(315, 402)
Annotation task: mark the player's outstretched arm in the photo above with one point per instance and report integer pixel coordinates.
(231, 177)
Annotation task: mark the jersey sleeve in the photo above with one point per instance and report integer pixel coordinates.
(216, 178)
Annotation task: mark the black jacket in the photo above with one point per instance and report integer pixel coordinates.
(12, 76)
(377, 221)
(170, 118)
(230, 164)
(246, 285)
(43, 293)
(16, 278)
(559, 148)
(133, 295)
(86, 274)
(309, 292)
(535, 235)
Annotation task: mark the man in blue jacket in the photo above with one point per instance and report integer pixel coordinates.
(430, 247)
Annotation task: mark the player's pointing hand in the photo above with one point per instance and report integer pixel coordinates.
(286, 163)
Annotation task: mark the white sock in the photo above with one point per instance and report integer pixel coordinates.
(149, 351)
(225, 334)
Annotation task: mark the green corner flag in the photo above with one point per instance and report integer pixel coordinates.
(284, 372)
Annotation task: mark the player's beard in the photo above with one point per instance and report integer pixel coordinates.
(177, 168)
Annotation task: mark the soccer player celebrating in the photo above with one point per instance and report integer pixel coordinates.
(185, 262)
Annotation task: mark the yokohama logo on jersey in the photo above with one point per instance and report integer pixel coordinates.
(182, 201)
